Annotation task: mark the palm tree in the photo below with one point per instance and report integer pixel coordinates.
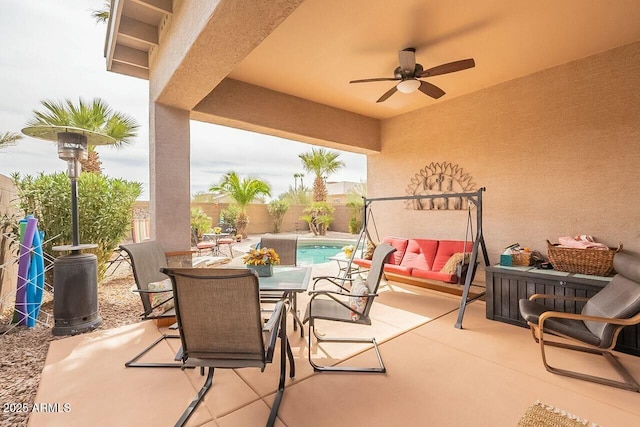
(96, 116)
(9, 138)
(102, 15)
(323, 163)
(243, 192)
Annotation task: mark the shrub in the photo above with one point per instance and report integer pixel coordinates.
(277, 209)
(229, 214)
(104, 209)
(318, 216)
(9, 235)
(355, 220)
(200, 221)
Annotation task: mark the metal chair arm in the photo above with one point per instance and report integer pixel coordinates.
(273, 319)
(332, 280)
(314, 294)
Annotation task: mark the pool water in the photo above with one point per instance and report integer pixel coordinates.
(317, 254)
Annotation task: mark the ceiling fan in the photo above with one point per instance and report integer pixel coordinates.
(409, 72)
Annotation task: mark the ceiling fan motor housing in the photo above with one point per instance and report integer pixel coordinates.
(401, 74)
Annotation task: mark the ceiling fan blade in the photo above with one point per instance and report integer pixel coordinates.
(407, 59)
(381, 79)
(451, 67)
(431, 90)
(387, 94)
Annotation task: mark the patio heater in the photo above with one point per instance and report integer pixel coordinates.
(75, 275)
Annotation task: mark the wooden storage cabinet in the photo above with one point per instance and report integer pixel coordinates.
(507, 285)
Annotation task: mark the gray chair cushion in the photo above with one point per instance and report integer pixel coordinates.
(531, 312)
(619, 299)
(328, 309)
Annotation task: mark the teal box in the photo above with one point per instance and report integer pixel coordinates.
(506, 260)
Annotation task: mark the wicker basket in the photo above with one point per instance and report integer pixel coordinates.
(521, 258)
(597, 262)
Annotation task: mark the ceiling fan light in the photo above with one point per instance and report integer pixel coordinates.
(408, 86)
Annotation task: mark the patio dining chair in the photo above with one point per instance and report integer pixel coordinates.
(596, 328)
(351, 305)
(287, 249)
(139, 233)
(154, 288)
(201, 245)
(221, 326)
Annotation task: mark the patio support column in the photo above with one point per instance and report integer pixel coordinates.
(169, 170)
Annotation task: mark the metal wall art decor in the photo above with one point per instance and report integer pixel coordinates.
(440, 178)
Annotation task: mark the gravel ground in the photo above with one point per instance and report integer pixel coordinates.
(23, 350)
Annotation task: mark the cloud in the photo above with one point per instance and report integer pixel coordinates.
(54, 50)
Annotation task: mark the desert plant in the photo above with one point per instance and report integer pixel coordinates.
(229, 214)
(104, 209)
(355, 203)
(322, 163)
(243, 192)
(200, 221)
(101, 16)
(277, 209)
(9, 138)
(95, 116)
(9, 237)
(299, 195)
(318, 216)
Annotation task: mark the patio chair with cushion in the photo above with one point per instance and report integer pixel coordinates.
(347, 305)
(228, 242)
(201, 245)
(154, 288)
(597, 327)
(221, 326)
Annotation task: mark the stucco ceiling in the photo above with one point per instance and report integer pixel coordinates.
(324, 44)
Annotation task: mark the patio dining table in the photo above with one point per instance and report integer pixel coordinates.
(290, 281)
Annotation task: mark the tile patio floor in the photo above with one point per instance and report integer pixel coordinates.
(487, 374)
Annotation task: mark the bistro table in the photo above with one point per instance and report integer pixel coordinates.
(290, 281)
(214, 237)
(343, 264)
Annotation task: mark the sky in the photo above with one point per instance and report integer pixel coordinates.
(55, 50)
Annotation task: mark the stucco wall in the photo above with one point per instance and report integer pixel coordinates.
(260, 220)
(8, 195)
(558, 152)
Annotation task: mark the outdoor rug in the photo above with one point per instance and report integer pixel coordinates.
(542, 415)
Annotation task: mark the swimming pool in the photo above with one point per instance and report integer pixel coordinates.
(314, 251)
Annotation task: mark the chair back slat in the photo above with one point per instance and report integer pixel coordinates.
(285, 246)
(147, 258)
(218, 312)
(380, 256)
(619, 299)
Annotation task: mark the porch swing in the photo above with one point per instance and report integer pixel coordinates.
(477, 241)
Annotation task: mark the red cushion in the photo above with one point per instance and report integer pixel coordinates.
(401, 246)
(434, 275)
(225, 241)
(420, 253)
(446, 248)
(398, 269)
(366, 263)
(205, 245)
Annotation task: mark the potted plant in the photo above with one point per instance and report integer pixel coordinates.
(348, 250)
(261, 261)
